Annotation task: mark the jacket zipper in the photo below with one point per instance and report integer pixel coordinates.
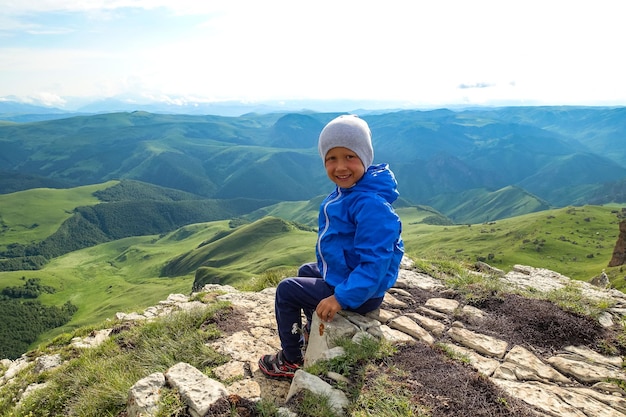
(319, 239)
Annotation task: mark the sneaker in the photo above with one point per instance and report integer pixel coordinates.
(276, 366)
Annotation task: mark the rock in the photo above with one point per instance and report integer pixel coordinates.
(584, 372)
(481, 343)
(197, 390)
(435, 327)
(528, 367)
(324, 335)
(601, 280)
(392, 335)
(619, 252)
(144, 396)
(486, 366)
(412, 279)
(47, 362)
(486, 268)
(410, 327)
(94, 339)
(554, 400)
(305, 381)
(472, 312)
(442, 305)
(391, 301)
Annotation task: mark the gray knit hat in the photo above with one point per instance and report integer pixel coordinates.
(348, 131)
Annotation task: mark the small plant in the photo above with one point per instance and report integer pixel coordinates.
(607, 348)
(619, 382)
(570, 298)
(475, 288)
(204, 297)
(314, 405)
(354, 362)
(386, 396)
(171, 404)
(266, 408)
(452, 354)
(503, 401)
(96, 383)
(438, 267)
(356, 356)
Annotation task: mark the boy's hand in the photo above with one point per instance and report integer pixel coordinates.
(327, 308)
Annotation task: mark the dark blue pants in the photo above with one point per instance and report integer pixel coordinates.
(302, 294)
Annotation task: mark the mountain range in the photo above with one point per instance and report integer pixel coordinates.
(472, 165)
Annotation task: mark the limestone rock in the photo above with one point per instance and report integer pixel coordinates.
(144, 396)
(410, 327)
(530, 368)
(481, 343)
(197, 390)
(435, 327)
(303, 380)
(442, 305)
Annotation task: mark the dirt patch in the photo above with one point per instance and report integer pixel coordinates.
(446, 387)
(233, 405)
(531, 323)
(537, 323)
(230, 320)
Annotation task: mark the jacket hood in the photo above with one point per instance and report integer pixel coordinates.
(378, 179)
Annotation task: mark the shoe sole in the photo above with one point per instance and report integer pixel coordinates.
(273, 375)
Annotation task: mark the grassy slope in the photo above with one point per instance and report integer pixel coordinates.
(480, 205)
(304, 212)
(119, 276)
(125, 275)
(254, 248)
(577, 242)
(44, 207)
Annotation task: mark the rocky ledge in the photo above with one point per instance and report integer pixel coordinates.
(573, 382)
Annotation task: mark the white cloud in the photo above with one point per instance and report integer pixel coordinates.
(416, 51)
(42, 6)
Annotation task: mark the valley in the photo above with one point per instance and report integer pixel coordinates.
(117, 211)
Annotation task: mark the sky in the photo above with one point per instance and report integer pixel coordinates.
(414, 52)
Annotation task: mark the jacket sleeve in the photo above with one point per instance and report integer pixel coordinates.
(378, 230)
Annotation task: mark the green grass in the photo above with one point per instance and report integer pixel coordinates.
(381, 397)
(96, 383)
(125, 275)
(254, 248)
(119, 276)
(32, 215)
(305, 212)
(577, 242)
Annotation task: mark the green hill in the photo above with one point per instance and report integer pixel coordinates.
(304, 212)
(251, 249)
(76, 220)
(32, 215)
(575, 241)
(128, 274)
(563, 156)
(480, 205)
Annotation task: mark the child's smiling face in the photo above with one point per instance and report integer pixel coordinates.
(343, 167)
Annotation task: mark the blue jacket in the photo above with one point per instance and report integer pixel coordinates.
(359, 247)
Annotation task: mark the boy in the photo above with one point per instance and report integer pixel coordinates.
(359, 247)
